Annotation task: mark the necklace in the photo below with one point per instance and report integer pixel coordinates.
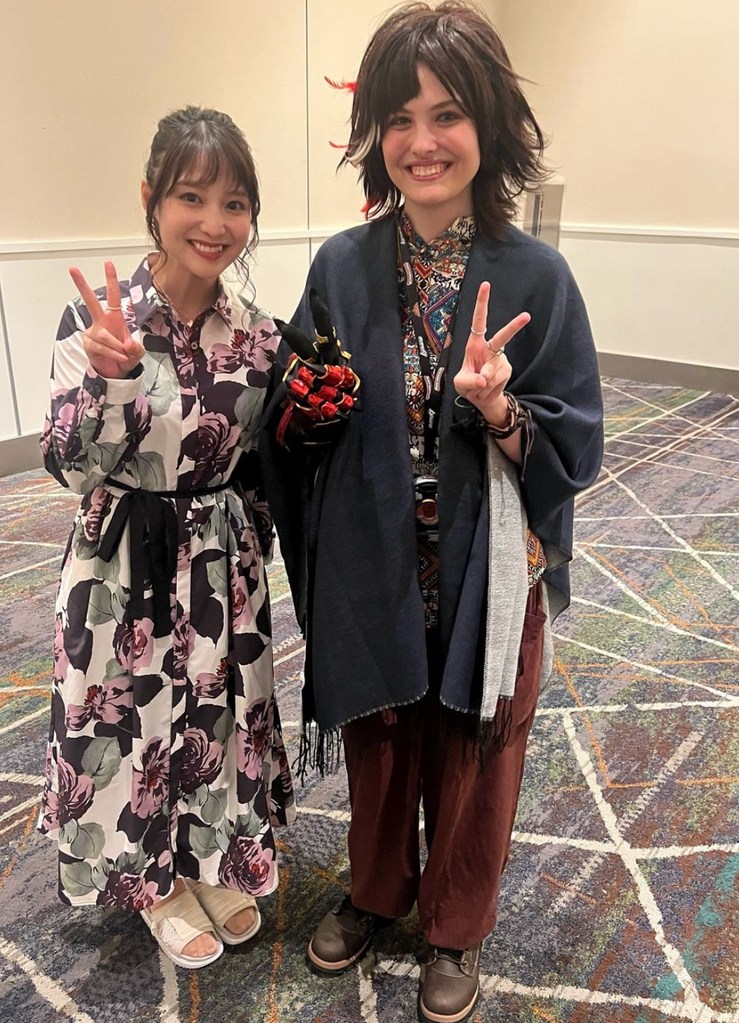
(168, 301)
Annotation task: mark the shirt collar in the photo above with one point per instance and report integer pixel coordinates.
(462, 231)
(145, 299)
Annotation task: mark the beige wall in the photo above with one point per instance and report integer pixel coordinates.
(83, 84)
(640, 98)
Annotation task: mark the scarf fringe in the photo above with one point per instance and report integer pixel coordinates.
(317, 751)
(481, 738)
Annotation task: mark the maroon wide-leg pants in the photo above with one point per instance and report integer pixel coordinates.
(424, 752)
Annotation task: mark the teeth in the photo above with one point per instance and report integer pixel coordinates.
(209, 249)
(428, 170)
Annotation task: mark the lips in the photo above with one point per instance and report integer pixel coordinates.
(207, 250)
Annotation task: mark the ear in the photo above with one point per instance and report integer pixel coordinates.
(145, 194)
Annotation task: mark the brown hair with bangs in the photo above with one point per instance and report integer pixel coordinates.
(199, 144)
(458, 44)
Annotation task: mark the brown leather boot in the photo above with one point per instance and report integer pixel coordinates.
(343, 937)
(450, 984)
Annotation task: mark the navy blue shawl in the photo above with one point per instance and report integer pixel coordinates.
(350, 551)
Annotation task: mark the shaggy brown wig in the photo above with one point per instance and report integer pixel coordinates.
(459, 45)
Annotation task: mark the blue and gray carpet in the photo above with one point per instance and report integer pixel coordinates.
(620, 903)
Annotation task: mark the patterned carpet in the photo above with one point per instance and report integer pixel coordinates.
(620, 901)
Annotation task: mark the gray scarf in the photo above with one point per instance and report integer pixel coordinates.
(507, 585)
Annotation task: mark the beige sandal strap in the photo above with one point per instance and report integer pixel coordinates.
(221, 903)
(178, 922)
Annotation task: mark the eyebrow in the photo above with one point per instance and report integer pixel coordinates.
(451, 102)
(203, 184)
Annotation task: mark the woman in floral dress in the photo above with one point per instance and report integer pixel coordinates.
(166, 769)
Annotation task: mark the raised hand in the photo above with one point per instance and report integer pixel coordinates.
(320, 389)
(112, 351)
(485, 369)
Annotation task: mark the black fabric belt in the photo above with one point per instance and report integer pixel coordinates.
(153, 542)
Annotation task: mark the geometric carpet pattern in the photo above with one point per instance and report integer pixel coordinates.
(620, 903)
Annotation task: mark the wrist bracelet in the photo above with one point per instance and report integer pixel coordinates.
(517, 416)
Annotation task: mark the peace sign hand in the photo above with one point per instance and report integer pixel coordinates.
(112, 351)
(485, 369)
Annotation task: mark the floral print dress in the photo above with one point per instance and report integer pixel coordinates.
(165, 752)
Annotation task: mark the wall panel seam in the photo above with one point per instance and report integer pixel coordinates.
(9, 361)
(681, 235)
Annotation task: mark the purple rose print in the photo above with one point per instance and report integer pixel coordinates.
(133, 645)
(66, 428)
(45, 440)
(128, 891)
(140, 421)
(255, 350)
(201, 760)
(72, 798)
(184, 362)
(61, 661)
(97, 507)
(150, 784)
(209, 685)
(247, 866)
(212, 444)
(183, 643)
(107, 703)
(241, 613)
(255, 741)
(249, 554)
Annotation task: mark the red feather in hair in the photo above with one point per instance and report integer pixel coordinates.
(351, 86)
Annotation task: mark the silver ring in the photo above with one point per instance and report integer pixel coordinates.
(114, 308)
(480, 333)
(494, 351)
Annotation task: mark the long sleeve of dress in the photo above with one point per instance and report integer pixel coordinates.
(94, 424)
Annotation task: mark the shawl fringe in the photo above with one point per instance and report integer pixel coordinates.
(317, 751)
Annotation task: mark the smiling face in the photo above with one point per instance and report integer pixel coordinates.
(203, 228)
(431, 153)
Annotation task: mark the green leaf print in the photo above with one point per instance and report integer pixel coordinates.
(149, 468)
(223, 834)
(99, 610)
(101, 761)
(89, 427)
(218, 576)
(249, 824)
(131, 862)
(203, 841)
(110, 571)
(76, 878)
(199, 796)
(223, 727)
(88, 842)
(68, 833)
(104, 457)
(214, 806)
(100, 873)
(114, 670)
(160, 382)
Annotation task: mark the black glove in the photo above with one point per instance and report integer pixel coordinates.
(320, 388)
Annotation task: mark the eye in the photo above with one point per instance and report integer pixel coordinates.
(450, 116)
(189, 197)
(237, 205)
(398, 121)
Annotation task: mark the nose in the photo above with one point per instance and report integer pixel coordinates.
(212, 222)
(423, 140)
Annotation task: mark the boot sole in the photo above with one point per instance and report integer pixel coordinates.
(326, 969)
(426, 1016)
